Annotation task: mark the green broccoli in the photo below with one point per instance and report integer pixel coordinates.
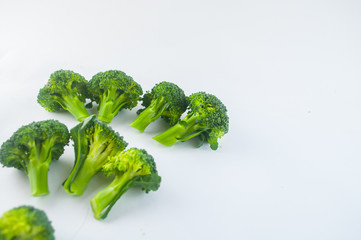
(207, 118)
(32, 148)
(113, 91)
(94, 143)
(133, 167)
(25, 223)
(165, 100)
(65, 90)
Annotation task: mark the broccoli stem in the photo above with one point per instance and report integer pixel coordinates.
(149, 114)
(81, 180)
(109, 105)
(38, 166)
(84, 171)
(74, 106)
(38, 177)
(183, 130)
(105, 199)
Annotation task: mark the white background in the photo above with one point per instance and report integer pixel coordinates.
(288, 71)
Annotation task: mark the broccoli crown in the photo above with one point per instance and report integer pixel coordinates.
(138, 161)
(94, 143)
(25, 223)
(109, 85)
(61, 85)
(211, 113)
(137, 165)
(171, 97)
(93, 133)
(47, 138)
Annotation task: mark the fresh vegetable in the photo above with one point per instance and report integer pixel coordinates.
(65, 90)
(113, 90)
(94, 143)
(32, 148)
(25, 223)
(165, 100)
(207, 118)
(131, 168)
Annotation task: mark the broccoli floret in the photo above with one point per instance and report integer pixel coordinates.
(65, 90)
(132, 168)
(113, 90)
(165, 100)
(32, 148)
(25, 223)
(94, 143)
(206, 118)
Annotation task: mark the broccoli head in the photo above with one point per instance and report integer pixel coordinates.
(131, 168)
(94, 143)
(165, 100)
(207, 118)
(65, 90)
(32, 148)
(113, 90)
(25, 223)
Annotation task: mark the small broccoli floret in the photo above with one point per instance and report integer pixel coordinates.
(113, 90)
(65, 90)
(25, 223)
(32, 148)
(206, 118)
(131, 168)
(165, 100)
(94, 143)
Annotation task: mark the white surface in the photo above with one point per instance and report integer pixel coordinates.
(288, 72)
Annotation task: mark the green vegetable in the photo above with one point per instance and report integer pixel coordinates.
(165, 100)
(206, 118)
(25, 223)
(32, 148)
(94, 143)
(113, 91)
(131, 168)
(65, 90)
